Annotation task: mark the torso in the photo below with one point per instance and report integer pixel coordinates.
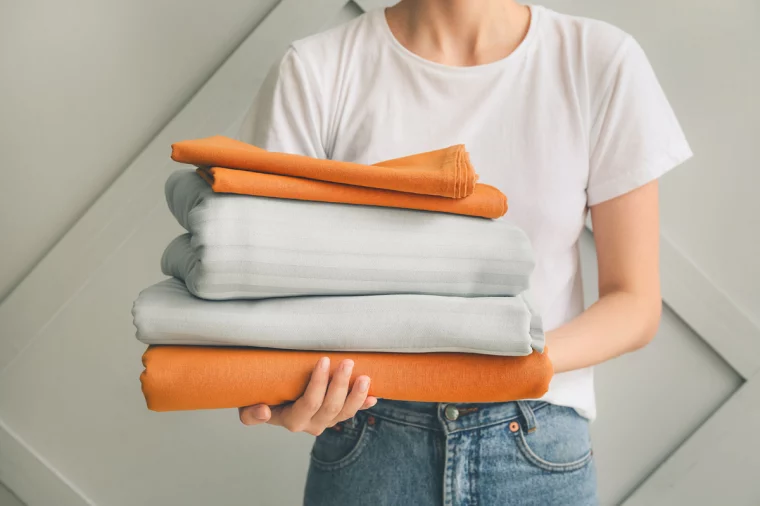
(525, 121)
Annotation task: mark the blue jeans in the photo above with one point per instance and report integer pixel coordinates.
(425, 454)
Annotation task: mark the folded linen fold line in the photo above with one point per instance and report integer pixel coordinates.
(446, 172)
(196, 377)
(258, 247)
(166, 313)
(485, 201)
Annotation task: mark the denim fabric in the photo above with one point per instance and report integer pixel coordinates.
(425, 454)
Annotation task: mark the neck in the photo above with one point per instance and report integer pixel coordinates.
(459, 32)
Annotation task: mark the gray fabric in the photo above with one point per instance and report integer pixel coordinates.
(256, 247)
(166, 313)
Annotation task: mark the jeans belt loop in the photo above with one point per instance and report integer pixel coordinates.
(527, 414)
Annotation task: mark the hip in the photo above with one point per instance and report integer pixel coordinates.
(525, 452)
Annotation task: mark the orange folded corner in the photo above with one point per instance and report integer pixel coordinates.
(445, 172)
(485, 201)
(201, 377)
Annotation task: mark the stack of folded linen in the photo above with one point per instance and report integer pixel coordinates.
(289, 258)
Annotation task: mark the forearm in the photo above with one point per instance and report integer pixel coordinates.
(619, 322)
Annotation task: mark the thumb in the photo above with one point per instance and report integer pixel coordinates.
(255, 415)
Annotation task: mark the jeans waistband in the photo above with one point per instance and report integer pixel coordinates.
(453, 417)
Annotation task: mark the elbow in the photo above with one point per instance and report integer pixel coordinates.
(650, 317)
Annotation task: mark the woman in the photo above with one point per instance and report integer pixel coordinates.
(563, 114)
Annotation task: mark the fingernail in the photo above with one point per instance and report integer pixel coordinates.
(363, 385)
(260, 413)
(324, 363)
(347, 366)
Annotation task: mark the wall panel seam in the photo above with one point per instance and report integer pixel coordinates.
(30, 451)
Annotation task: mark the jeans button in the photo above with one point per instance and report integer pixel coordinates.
(451, 412)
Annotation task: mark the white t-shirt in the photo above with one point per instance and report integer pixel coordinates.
(573, 117)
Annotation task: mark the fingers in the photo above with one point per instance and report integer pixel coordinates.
(354, 401)
(336, 395)
(255, 415)
(294, 416)
(324, 403)
(280, 414)
(369, 402)
(304, 409)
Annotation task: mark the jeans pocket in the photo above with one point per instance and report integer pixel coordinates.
(560, 441)
(341, 445)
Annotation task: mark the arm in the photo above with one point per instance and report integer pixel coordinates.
(627, 314)
(634, 138)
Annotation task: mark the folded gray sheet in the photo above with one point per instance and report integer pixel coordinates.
(166, 313)
(256, 247)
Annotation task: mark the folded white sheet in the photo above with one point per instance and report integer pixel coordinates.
(166, 313)
(241, 246)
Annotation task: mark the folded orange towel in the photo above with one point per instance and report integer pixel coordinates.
(203, 377)
(485, 201)
(446, 172)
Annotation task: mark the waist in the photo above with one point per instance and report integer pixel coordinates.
(452, 416)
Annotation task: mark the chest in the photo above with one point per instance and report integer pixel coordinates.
(529, 141)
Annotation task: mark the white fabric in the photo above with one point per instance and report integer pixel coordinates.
(575, 116)
(166, 313)
(257, 247)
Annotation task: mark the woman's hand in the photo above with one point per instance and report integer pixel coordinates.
(323, 404)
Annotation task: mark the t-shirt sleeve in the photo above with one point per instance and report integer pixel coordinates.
(285, 115)
(635, 136)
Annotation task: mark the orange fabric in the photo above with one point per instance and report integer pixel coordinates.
(446, 172)
(485, 201)
(203, 377)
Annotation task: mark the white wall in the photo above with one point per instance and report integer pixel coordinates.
(96, 80)
(85, 85)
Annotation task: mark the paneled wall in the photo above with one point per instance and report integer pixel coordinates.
(86, 84)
